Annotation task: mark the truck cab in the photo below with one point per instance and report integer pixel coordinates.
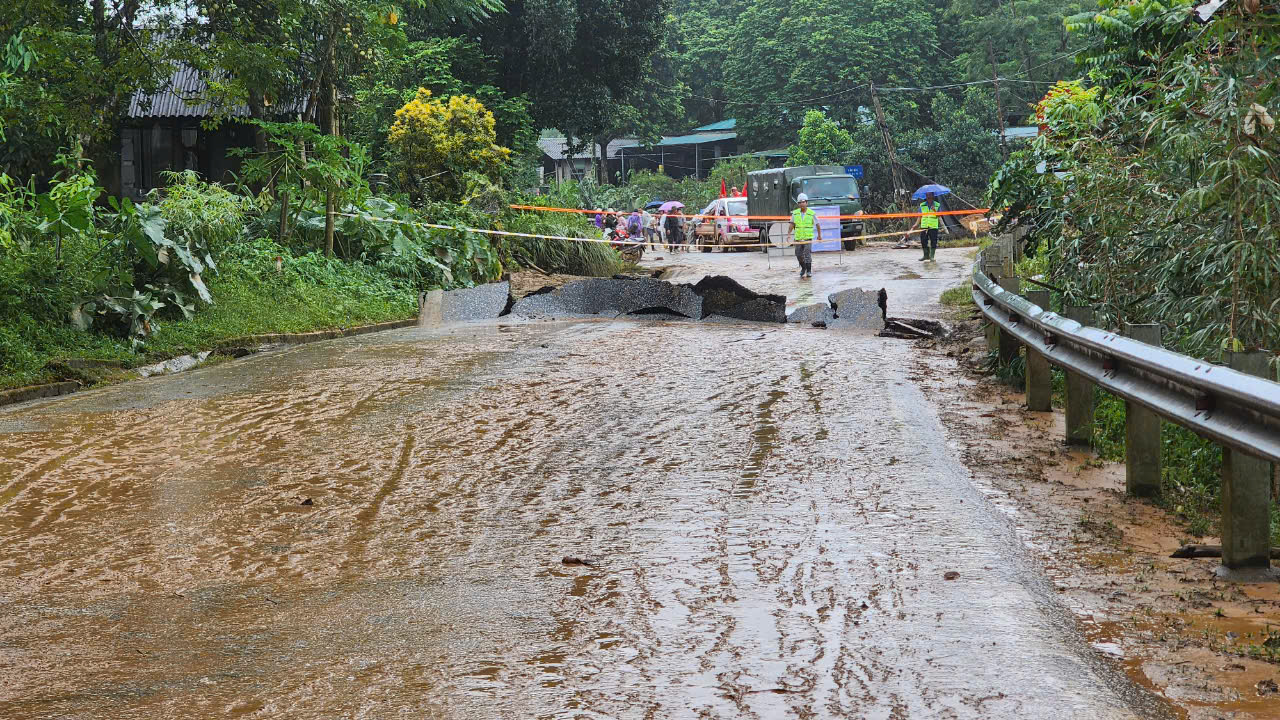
(774, 192)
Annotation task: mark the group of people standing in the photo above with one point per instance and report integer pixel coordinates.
(658, 230)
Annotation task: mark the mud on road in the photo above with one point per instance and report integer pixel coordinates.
(1171, 624)
(770, 521)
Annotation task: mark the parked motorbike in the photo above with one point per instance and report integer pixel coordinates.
(630, 250)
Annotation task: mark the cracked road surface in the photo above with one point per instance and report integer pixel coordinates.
(770, 513)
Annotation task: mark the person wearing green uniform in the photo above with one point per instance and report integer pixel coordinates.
(805, 231)
(928, 224)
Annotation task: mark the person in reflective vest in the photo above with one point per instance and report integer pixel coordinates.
(928, 224)
(805, 231)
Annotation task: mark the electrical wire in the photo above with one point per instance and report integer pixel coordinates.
(806, 101)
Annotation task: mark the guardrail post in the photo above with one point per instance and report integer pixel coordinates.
(991, 268)
(1079, 390)
(1039, 379)
(1142, 431)
(1008, 343)
(1246, 491)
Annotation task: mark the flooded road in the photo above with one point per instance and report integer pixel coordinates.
(374, 528)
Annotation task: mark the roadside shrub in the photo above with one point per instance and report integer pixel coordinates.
(436, 144)
(200, 213)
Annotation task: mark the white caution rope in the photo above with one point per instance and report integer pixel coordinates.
(629, 241)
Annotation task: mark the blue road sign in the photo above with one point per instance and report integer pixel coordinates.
(854, 170)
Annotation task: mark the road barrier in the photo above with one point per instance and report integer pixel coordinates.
(1235, 406)
(638, 240)
(778, 218)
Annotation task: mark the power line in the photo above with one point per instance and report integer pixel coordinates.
(926, 88)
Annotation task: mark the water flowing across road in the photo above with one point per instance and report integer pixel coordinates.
(770, 513)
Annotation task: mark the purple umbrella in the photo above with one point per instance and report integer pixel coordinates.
(671, 205)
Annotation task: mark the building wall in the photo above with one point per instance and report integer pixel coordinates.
(150, 147)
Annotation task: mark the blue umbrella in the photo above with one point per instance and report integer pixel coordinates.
(937, 190)
(653, 205)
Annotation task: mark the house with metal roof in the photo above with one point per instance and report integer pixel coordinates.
(679, 156)
(162, 131)
(561, 165)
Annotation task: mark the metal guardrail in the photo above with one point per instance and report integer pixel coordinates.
(1234, 409)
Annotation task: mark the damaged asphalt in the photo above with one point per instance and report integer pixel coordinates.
(714, 297)
(505, 518)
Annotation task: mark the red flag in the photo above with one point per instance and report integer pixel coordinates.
(724, 191)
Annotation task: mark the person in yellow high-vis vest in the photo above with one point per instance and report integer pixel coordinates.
(805, 231)
(928, 224)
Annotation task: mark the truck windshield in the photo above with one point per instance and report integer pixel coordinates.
(827, 187)
(736, 207)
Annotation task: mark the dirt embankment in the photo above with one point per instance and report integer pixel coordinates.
(1211, 647)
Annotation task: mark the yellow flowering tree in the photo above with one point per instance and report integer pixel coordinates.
(438, 143)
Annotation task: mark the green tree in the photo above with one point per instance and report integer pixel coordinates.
(81, 64)
(574, 59)
(438, 145)
(821, 142)
(446, 66)
(787, 58)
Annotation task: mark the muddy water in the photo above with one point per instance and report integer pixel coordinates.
(770, 516)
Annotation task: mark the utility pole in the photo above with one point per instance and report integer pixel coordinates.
(899, 188)
(995, 81)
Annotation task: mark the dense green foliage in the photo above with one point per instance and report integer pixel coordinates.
(1162, 204)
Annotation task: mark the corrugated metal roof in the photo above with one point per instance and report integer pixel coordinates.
(557, 148)
(182, 97)
(696, 139)
(723, 125)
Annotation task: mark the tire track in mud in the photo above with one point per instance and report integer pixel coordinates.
(766, 534)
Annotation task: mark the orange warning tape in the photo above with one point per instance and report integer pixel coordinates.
(629, 241)
(865, 216)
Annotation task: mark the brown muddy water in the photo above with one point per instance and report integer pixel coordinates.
(770, 514)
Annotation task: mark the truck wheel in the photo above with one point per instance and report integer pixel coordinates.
(764, 238)
(850, 244)
(706, 245)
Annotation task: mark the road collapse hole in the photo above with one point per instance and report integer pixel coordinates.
(658, 310)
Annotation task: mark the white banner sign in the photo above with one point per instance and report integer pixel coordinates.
(829, 220)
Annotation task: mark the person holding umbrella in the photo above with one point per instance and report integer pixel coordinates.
(928, 220)
(803, 229)
(672, 227)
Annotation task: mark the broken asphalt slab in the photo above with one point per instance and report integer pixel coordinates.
(725, 297)
(861, 310)
(713, 298)
(611, 297)
(482, 302)
(809, 314)
(858, 310)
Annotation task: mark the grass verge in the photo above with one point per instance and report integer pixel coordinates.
(250, 297)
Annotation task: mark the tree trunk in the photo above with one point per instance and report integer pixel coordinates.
(331, 103)
(603, 145)
(284, 212)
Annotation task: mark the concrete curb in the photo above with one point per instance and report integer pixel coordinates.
(35, 392)
(303, 338)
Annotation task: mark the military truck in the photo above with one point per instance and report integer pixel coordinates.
(773, 192)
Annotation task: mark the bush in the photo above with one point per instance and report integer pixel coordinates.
(436, 145)
(200, 213)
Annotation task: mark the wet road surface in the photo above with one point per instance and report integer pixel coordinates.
(913, 286)
(770, 511)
